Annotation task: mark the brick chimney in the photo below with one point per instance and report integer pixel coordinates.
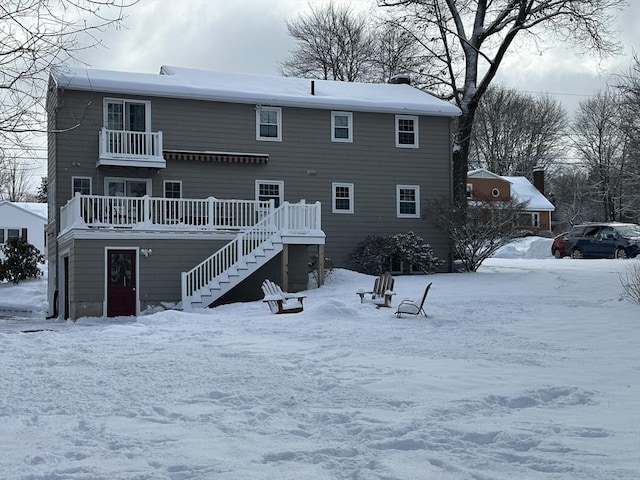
(538, 178)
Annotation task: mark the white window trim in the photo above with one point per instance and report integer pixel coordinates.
(126, 179)
(79, 177)
(408, 187)
(278, 138)
(535, 219)
(147, 109)
(334, 185)
(5, 234)
(415, 131)
(164, 187)
(349, 115)
(280, 184)
(469, 190)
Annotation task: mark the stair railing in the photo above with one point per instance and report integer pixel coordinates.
(298, 217)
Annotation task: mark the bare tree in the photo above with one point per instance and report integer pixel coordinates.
(570, 191)
(36, 35)
(515, 132)
(15, 181)
(333, 44)
(467, 40)
(599, 142)
(478, 230)
(395, 51)
(629, 89)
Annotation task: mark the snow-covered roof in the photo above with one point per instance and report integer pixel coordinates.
(524, 191)
(482, 173)
(38, 209)
(177, 82)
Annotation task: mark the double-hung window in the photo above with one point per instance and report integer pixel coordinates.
(269, 124)
(341, 127)
(7, 234)
(270, 190)
(81, 185)
(172, 189)
(173, 208)
(406, 131)
(342, 197)
(408, 201)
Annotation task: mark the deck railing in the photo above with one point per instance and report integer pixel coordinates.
(288, 218)
(93, 211)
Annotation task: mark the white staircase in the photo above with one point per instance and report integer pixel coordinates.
(243, 256)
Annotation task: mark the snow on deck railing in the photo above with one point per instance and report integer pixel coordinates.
(208, 214)
(298, 218)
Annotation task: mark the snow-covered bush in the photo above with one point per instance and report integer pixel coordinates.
(631, 283)
(313, 267)
(411, 249)
(22, 261)
(372, 255)
(375, 254)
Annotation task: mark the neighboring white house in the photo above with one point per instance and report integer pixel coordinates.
(24, 220)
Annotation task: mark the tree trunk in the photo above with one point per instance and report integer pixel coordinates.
(461, 149)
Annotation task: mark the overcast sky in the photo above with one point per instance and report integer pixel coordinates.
(250, 36)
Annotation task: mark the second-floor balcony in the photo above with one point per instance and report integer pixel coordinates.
(131, 149)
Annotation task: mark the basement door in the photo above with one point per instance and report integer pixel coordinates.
(121, 283)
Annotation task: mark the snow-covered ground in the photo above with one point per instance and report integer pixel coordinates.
(527, 369)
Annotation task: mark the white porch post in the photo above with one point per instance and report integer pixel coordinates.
(146, 209)
(210, 213)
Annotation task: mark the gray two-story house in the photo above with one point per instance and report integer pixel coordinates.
(188, 188)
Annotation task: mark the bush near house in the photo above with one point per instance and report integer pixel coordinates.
(22, 261)
(375, 254)
(631, 284)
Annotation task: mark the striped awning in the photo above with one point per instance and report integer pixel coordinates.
(225, 157)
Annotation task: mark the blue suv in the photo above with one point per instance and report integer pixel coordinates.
(604, 240)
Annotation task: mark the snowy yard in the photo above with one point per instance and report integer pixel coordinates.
(528, 369)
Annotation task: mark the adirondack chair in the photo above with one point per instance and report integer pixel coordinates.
(381, 293)
(279, 301)
(410, 307)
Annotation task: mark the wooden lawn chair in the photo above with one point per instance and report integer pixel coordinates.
(409, 307)
(381, 293)
(279, 301)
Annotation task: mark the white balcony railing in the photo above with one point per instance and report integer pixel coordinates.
(117, 146)
(92, 211)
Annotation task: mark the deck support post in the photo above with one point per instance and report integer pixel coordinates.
(285, 266)
(320, 264)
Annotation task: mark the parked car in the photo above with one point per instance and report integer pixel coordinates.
(604, 240)
(559, 245)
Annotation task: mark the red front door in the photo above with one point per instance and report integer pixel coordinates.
(121, 283)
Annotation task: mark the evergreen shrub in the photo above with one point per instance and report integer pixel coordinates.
(22, 261)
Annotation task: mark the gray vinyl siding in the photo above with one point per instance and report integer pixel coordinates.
(372, 163)
(159, 275)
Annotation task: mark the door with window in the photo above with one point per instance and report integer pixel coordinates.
(121, 283)
(127, 120)
(126, 210)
